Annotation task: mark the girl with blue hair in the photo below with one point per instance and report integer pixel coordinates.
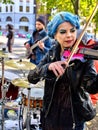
(66, 102)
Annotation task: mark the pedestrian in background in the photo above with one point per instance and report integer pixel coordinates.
(10, 36)
(42, 46)
(66, 103)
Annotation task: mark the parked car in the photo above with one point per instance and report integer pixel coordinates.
(28, 35)
(21, 34)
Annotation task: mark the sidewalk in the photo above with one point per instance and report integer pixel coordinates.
(18, 46)
(93, 124)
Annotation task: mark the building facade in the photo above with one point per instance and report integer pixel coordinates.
(21, 15)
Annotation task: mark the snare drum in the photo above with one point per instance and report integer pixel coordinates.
(12, 90)
(12, 115)
(11, 125)
(36, 97)
(11, 110)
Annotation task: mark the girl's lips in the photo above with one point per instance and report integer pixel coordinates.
(69, 41)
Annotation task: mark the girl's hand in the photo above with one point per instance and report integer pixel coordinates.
(58, 67)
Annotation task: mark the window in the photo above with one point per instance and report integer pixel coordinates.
(27, 9)
(0, 9)
(24, 19)
(8, 18)
(27, 1)
(6, 8)
(11, 8)
(21, 8)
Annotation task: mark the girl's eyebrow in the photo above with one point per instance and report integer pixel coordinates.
(72, 29)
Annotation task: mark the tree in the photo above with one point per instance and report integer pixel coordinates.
(82, 8)
(7, 1)
(76, 4)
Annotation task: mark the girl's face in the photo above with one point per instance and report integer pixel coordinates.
(66, 35)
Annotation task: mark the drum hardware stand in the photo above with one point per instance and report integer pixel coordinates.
(3, 94)
(24, 73)
(36, 117)
(28, 119)
(6, 87)
(20, 115)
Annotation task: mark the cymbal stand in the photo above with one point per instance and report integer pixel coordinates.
(3, 94)
(28, 120)
(35, 116)
(23, 72)
(20, 114)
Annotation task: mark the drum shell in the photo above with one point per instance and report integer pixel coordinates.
(36, 97)
(12, 90)
(34, 103)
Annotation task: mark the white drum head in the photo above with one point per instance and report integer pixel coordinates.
(11, 125)
(35, 92)
(9, 75)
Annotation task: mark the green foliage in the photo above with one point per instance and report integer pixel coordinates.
(7, 1)
(83, 8)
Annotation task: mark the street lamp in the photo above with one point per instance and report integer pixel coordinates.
(35, 10)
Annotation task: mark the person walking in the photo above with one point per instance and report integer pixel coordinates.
(66, 102)
(10, 36)
(42, 46)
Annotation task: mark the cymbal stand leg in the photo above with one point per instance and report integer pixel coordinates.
(20, 115)
(28, 120)
(24, 73)
(3, 94)
(35, 115)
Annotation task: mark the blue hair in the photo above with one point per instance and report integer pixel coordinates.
(59, 18)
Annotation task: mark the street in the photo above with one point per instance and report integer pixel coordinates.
(17, 55)
(18, 47)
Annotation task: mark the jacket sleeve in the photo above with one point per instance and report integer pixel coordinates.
(90, 79)
(40, 72)
(48, 44)
(30, 41)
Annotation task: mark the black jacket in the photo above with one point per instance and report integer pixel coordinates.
(81, 77)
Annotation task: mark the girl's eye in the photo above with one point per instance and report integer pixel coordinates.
(62, 31)
(72, 30)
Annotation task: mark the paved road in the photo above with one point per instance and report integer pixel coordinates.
(18, 46)
(18, 51)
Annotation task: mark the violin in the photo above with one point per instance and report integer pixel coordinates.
(83, 52)
(75, 47)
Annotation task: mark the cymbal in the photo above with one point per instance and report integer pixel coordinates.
(13, 56)
(2, 54)
(23, 83)
(8, 55)
(24, 65)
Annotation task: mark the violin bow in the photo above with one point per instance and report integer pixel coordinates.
(74, 49)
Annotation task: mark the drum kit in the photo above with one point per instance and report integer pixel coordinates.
(18, 96)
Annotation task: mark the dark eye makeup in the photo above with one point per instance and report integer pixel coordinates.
(62, 31)
(72, 30)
